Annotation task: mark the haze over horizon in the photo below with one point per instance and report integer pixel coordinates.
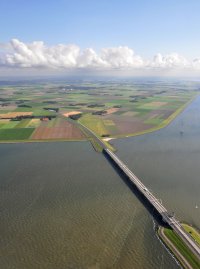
(133, 38)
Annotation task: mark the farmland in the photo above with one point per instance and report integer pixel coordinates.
(57, 129)
(34, 111)
(15, 134)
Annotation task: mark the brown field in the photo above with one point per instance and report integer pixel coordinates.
(155, 104)
(166, 114)
(71, 113)
(111, 110)
(12, 115)
(130, 113)
(163, 113)
(61, 130)
(8, 107)
(127, 125)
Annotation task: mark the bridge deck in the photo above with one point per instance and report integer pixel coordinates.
(167, 218)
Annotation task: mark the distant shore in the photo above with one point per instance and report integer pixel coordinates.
(164, 124)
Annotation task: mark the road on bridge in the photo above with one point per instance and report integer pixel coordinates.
(167, 218)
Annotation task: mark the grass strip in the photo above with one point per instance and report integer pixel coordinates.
(181, 247)
(10, 125)
(96, 145)
(94, 123)
(23, 123)
(192, 231)
(92, 140)
(95, 142)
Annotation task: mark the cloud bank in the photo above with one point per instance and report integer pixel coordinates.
(38, 55)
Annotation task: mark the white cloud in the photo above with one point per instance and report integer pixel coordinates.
(121, 57)
(89, 58)
(38, 55)
(172, 60)
(196, 64)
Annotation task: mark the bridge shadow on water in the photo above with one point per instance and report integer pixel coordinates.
(157, 217)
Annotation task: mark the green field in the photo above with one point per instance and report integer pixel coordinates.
(15, 134)
(23, 123)
(94, 123)
(37, 111)
(10, 125)
(182, 248)
(114, 109)
(192, 231)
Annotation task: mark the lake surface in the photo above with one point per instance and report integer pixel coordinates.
(64, 206)
(168, 162)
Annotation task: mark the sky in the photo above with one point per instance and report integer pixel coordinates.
(129, 37)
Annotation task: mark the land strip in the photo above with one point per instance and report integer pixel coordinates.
(177, 247)
(194, 233)
(109, 109)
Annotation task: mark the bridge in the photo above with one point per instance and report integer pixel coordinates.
(170, 220)
(167, 218)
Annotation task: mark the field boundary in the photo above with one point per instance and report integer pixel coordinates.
(41, 141)
(162, 125)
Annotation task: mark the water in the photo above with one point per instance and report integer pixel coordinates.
(168, 161)
(64, 206)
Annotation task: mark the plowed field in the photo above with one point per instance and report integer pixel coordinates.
(62, 130)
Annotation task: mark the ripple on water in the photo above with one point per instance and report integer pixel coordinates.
(57, 213)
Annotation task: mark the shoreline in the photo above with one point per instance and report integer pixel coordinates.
(175, 251)
(42, 141)
(162, 125)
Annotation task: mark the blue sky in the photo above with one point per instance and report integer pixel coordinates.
(146, 26)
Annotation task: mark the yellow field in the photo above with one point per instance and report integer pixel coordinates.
(94, 123)
(193, 232)
(12, 115)
(72, 113)
(155, 104)
(109, 122)
(34, 123)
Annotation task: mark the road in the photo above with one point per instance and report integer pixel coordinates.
(167, 218)
(175, 250)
